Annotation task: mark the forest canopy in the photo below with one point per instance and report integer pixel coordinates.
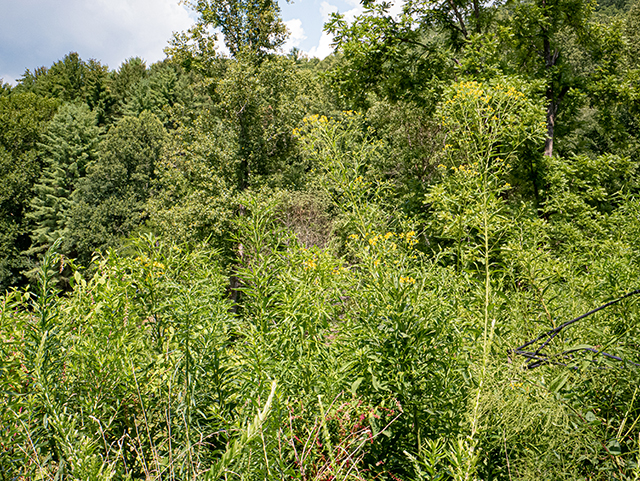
(375, 266)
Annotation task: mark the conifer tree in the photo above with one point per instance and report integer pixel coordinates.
(71, 142)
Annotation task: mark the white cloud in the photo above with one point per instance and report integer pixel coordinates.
(39, 32)
(296, 34)
(326, 9)
(396, 8)
(324, 47)
(350, 15)
(7, 79)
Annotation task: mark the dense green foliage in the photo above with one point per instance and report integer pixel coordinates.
(212, 269)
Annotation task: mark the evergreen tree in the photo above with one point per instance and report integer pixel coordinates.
(5, 88)
(70, 144)
(72, 79)
(162, 88)
(632, 34)
(121, 82)
(23, 120)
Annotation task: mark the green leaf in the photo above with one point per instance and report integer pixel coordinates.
(355, 385)
(614, 448)
(559, 382)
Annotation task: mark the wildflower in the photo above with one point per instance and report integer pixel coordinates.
(407, 280)
(310, 264)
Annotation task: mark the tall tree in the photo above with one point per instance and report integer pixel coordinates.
(121, 82)
(632, 34)
(68, 146)
(405, 56)
(164, 87)
(541, 29)
(408, 56)
(72, 79)
(110, 201)
(262, 104)
(23, 117)
(247, 25)
(5, 88)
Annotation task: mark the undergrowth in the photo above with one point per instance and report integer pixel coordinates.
(362, 343)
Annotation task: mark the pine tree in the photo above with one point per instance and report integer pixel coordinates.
(71, 142)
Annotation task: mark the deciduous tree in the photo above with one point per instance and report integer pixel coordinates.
(110, 201)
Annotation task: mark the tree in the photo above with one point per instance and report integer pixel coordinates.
(72, 79)
(122, 81)
(410, 56)
(253, 26)
(5, 88)
(70, 144)
(632, 34)
(540, 29)
(245, 140)
(407, 56)
(23, 117)
(164, 87)
(261, 105)
(110, 201)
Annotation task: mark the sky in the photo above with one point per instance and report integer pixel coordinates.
(35, 33)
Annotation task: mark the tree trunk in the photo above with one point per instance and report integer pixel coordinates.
(552, 108)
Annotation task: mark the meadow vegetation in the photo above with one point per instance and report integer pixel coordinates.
(214, 268)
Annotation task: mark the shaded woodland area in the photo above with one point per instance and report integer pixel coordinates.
(264, 266)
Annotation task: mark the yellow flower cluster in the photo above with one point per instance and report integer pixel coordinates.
(374, 239)
(322, 119)
(155, 266)
(476, 91)
(146, 262)
(468, 90)
(378, 237)
(518, 385)
(512, 92)
(407, 280)
(466, 169)
(310, 263)
(410, 237)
